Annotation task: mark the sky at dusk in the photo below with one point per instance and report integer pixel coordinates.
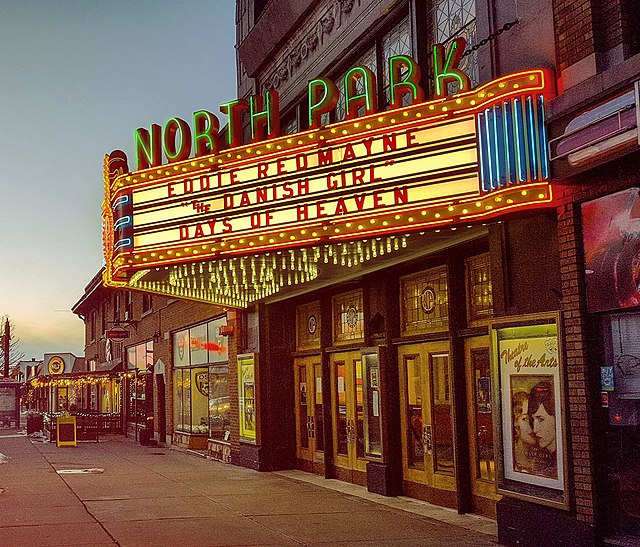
(77, 78)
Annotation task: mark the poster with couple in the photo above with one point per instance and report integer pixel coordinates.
(531, 407)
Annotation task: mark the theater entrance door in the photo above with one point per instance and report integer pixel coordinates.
(427, 422)
(348, 417)
(309, 414)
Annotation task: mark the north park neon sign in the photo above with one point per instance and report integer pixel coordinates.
(454, 160)
(177, 140)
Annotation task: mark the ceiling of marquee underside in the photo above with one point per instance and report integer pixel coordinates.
(242, 281)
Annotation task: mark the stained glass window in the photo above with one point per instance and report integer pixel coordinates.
(396, 42)
(454, 19)
(368, 60)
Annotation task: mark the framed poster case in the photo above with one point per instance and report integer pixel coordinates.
(247, 397)
(528, 373)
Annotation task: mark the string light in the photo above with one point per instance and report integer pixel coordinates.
(240, 281)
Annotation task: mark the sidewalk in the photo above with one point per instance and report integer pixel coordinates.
(134, 495)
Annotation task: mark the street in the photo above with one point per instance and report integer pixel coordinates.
(117, 492)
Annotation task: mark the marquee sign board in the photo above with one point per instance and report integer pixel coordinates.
(455, 160)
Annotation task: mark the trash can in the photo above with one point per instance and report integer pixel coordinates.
(144, 436)
(35, 422)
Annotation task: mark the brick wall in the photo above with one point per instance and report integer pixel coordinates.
(581, 355)
(574, 31)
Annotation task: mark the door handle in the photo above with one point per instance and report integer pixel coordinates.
(312, 427)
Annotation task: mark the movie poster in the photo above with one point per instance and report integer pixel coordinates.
(247, 396)
(531, 406)
(611, 242)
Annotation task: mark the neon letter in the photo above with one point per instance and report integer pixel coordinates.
(323, 98)
(354, 100)
(148, 146)
(443, 72)
(234, 109)
(269, 117)
(177, 153)
(399, 87)
(205, 139)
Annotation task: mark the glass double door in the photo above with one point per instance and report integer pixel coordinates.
(348, 416)
(427, 421)
(309, 414)
(427, 415)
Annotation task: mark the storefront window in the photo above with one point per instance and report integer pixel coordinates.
(140, 405)
(485, 468)
(373, 424)
(201, 381)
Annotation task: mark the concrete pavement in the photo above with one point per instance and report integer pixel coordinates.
(135, 495)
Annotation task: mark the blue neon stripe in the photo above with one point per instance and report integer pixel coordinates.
(122, 200)
(498, 126)
(123, 243)
(533, 142)
(484, 167)
(489, 126)
(521, 141)
(542, 133)
(122, 223)
(509, 143)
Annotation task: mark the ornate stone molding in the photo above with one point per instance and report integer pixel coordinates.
(321, 26)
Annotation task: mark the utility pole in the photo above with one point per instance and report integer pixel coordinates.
(5, 346)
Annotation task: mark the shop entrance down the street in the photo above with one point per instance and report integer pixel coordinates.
(309, 414)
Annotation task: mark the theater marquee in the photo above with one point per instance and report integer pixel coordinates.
(201, 226)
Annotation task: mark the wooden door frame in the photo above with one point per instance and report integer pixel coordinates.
(350, 462)
(424, 350)
(479, 488)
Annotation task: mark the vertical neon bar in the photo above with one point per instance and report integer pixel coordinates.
(520, 141)
(484, 173)
(488, 125)
(533, 144)
(509, 142)
(544, 156)
(501, 178)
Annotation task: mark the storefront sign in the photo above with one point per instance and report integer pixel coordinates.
(56, 365)
(117, 334)
(455, 160)
(177, 139)
(529, 395)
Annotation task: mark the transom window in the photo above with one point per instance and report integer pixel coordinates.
(424, 302)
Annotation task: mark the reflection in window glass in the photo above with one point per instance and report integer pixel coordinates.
(302, 407)
(415, 445)
(341, 408)
(200, 400)
(319, 418)
(219, 404)
(359, 410)
(373, 429)
(485, 468)
(442, 413)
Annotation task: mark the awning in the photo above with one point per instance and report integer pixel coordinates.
(115, 364)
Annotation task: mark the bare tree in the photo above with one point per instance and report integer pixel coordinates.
(15, 353)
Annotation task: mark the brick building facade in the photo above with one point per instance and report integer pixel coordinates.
(388, 372)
